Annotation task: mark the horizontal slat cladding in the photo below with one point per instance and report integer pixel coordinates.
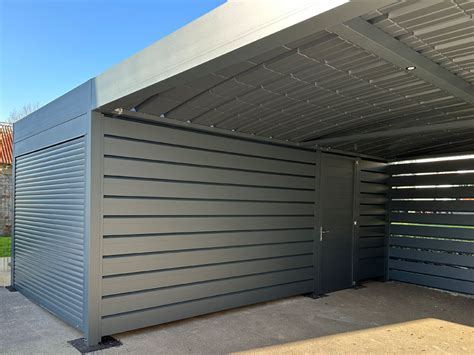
(157, 315)
(164, 278)
(433, 179)
(196, 190)
(433, 166)
(49, 228)
(373, 189)
(195, 223)
(434, 192)
(195, 140)
(432, 230)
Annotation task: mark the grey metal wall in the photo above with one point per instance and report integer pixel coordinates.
(195, 223)
(49, 228)
(432, 228)
(371, 233)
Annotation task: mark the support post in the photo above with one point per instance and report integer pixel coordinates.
(355, 223)
(317, 289)
(93, 240)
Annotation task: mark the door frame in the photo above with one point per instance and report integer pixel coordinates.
(318, 248)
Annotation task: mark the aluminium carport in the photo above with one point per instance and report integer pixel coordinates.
(229, 164)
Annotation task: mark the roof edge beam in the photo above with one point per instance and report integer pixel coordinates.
(372, 39)
(209, 44)
(453, 125)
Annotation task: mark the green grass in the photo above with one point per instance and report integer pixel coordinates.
(5, 246)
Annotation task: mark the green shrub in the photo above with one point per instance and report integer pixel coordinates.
(5, 246)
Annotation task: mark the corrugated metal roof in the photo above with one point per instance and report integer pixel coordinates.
(440, 30)
(6, 143)
(323, 75)
(318, 87)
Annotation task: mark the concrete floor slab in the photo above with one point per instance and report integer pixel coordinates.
(380, 318)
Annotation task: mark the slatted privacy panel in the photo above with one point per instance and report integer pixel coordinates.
(49, 228)
(372, 218)
(195, 223)
(432, 228)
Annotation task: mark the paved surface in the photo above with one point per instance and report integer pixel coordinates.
(380, 318)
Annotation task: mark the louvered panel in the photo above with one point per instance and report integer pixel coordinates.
(49, 229)
(431, 233)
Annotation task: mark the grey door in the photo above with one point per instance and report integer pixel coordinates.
(336, 232)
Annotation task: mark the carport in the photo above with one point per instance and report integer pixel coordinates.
(229, 165)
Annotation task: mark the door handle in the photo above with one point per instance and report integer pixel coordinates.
(321, 232)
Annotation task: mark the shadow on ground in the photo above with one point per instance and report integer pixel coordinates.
(382, 317)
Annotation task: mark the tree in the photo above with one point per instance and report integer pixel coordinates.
(16, 115)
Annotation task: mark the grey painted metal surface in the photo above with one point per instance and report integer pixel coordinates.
(439, 30)
(49, 229)
(336, 233)
(195, 223)
(368, 36)
(372, 218)
(57, 119)
(431, 234)
(313, 89)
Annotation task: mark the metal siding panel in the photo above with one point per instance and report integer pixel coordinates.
(160, 225)
(434, 205)
(49, 229)
(434, 269)
(435, 179)
(432, 257)
(444, 283)
(165, 171)
(162, 297)
(433, 231)
(113, 265)
(161, 134)
(371, 268)
(431, 234)
(176, 207)
(167, 152)
(372, 218)
(169, 189)
(149, 317)
(434, 218)
(433, 244)
(158, 243)
(174, 277)
(435, 166)
(195, 223)
(434, 192)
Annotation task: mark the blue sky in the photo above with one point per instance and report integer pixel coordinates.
(50, 46)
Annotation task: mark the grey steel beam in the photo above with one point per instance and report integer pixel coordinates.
(372, 39)
(454, 125)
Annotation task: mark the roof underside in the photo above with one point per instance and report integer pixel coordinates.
(331, 90)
